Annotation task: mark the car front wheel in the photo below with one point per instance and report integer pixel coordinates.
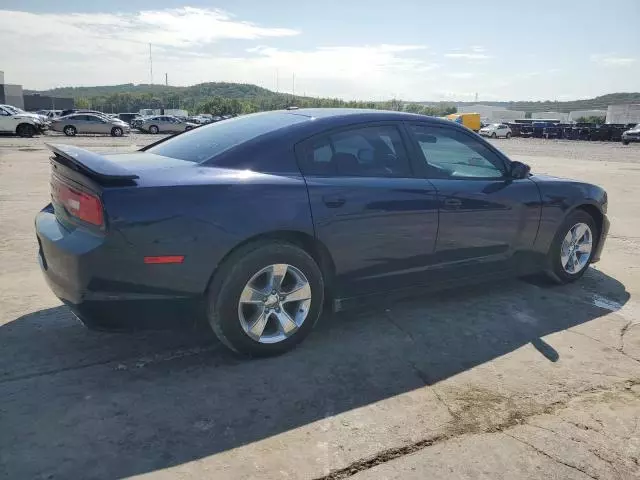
(572, 248)
(265, 298)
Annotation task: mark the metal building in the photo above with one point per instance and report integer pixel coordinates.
(626, 113)
(492, 114)
(562, 117)
(10, 94)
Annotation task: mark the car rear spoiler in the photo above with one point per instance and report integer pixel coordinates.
(91, 164)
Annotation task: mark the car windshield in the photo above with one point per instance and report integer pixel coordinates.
(204, 143)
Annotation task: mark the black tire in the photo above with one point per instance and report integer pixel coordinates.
(26, 130)
(116, 132)
(508, 135)
(187, 128)
(625, 142)
(494, 135)
(554, 270)
(231, 278)
(153, 129)
(70, 131)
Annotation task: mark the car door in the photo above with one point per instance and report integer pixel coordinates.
(80, 122)
(95, 124)
(166, 125)
(376, 218)
(486, 217)
(6, 121)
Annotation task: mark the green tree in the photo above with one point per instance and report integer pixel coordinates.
(595, 120)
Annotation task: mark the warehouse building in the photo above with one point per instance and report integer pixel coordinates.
(492, 114)
(560, 116)
(626, 113)
(11, 94)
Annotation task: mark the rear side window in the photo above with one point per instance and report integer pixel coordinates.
(206, 142)
(375, 151)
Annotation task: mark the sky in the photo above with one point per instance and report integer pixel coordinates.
(416, 50)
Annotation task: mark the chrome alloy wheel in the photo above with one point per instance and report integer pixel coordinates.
(274, 303)
(576, 248)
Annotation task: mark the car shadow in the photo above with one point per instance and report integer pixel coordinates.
(82, 404)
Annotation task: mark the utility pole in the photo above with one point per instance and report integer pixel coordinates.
(277, 81)
(150, 66)
(166, 79)
(293, 88)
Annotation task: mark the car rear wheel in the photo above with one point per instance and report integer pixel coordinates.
(26, 130)
(116, 132)
(153, 129)
(70, 131)
(572, 248)
(265, 298)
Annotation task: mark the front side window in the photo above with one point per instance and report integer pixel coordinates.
(452, 154)
(375, 151)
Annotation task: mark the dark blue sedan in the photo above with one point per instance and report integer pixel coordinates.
(258, 222)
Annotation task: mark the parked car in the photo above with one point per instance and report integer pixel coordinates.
(165, 124)
(496, 130)
(49, 114)
(137, 121)
(19, 111)
(89, 123)
(70, 111)
(631, 135)
(553, 131)
(22, 124)
(128, 117)
(262, 220)
(526, 131)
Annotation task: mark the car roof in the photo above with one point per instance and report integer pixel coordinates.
(318, 113)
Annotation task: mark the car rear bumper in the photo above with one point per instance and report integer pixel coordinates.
(72, 260)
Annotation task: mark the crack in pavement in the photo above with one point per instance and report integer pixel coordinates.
(555, 459)
(511, 421)
(594, 451)
(601, 342)
(138, 362)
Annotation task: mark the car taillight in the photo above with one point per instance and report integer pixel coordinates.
(81, 205)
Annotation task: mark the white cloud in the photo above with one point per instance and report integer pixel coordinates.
(198, 45)
(462, 74)
(468, 55)
(612, 60)
(182, 27)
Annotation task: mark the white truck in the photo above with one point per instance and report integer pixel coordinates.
(20, 123)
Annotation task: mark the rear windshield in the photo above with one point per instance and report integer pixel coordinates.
(204, 143)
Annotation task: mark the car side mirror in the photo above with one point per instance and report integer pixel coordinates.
(520, 170)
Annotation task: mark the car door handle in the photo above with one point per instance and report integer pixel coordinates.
(452, 203)
(333, 201)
